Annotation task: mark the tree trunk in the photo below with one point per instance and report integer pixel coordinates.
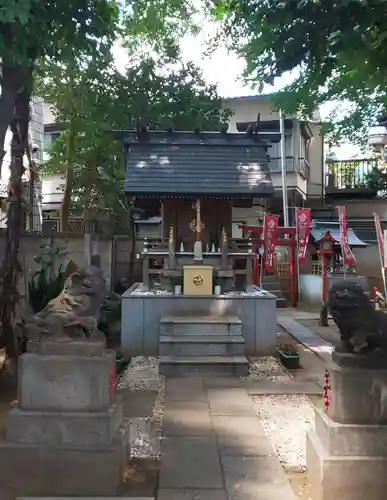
(11, 268)
(12, 80)
(68, 189)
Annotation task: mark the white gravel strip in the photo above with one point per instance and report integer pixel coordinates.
(267, 368)
(144, 432)
(142, 375)
(286, 420)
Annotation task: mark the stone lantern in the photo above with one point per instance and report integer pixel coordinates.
(377, 135)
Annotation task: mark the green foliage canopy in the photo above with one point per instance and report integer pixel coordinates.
(152, 92)
(336, 49)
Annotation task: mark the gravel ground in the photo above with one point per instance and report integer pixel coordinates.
(267, 368)
(145, 433)
(286, 419)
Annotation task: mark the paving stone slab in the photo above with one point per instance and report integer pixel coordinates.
(306, 337)
(241, 436)
(186, 419)
(210, 382)
(259, 387)
(137, 403)
(192, 495)
(230, 401)
(252, 478)
(185, 389)
(190, 463)
(85, 498)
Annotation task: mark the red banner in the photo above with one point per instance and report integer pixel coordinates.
(348, 256)
(303, 229)
(270, 227)
(380, 236)
(112, 379)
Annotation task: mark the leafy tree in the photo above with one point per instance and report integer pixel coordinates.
(149, 93)
(336, 50)
(29, 31)
(58, 32)
(54, 29)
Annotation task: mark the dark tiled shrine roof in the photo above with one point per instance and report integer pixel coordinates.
(208, 164)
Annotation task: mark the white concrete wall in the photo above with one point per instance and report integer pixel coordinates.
(48, 114)
(311, 288)
(52, 190)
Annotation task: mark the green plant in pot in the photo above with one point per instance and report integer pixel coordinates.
(289, 356)
(47, 282)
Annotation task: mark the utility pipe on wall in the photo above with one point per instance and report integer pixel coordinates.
(283, 171)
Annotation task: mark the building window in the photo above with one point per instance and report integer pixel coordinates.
(49, 139)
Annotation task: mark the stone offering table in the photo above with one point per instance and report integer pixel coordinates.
(347, 453)
(65, 437)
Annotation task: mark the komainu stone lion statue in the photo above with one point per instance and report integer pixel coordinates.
(74, 313)
(361, 327)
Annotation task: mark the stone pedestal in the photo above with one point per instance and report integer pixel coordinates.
(347, 452)
(66, 435)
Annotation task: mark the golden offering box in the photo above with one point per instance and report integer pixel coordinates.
(197, 280)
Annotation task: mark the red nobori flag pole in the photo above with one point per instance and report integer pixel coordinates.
(303, 230)
(270, 227)
(346, 251)
(380, 236)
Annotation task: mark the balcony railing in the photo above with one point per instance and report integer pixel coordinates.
(351, 177)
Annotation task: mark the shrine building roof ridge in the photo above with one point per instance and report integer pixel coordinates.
(198, 164)
(201, 138)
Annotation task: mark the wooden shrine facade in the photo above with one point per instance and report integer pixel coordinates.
(197, 177)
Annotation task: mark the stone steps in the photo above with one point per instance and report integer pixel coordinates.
(281, 303)
(197, 345)
(180, 366)
(200, 325)
(272, 285)
(202, 345)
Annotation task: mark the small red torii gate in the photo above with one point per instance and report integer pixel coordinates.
(290, 242)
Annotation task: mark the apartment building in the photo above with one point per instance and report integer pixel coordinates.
(304, 157)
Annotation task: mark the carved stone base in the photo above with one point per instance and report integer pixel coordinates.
(358, 394)
(76, 430)
(46, 471)
(65, 382)
(66, 437)
(344, 477)
(347, 454)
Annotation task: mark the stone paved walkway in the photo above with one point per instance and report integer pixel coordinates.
(214, 446)
(307, 337)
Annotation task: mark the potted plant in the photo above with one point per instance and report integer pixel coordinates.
(289, 356)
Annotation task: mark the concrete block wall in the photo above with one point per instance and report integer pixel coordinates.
(114, 252)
